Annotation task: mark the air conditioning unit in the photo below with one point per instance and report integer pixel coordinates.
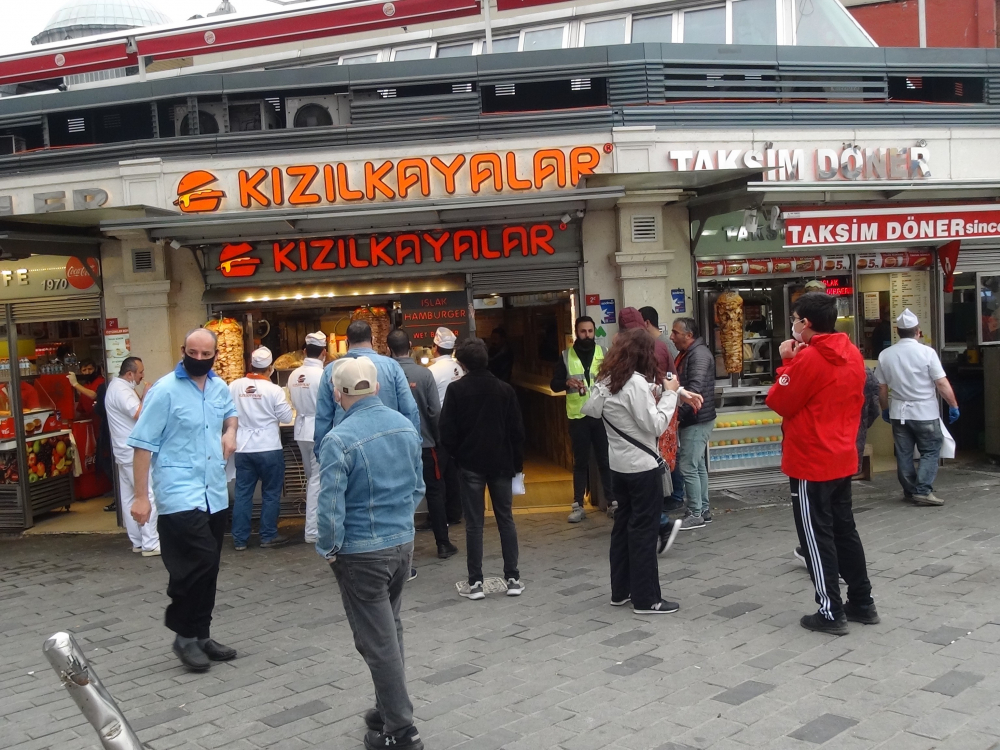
(317, 111)
(212, 119)
(253, 114)
(11, 144)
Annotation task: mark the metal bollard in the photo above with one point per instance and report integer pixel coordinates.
(95, 702)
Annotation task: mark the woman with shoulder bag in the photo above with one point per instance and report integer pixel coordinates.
(636, 409)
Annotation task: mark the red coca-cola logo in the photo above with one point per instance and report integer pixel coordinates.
(77, 274)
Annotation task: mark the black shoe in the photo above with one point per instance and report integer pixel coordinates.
(413, 574)
(455, 521)
(821, 625)
(662, 607)
(218, 652)
(425, 526)
(668, 532)
(278, 541)
(111, 507)
(669, 506)
(192, 656)
(865, 615)
(800, 555)
(373, 720)
(446, 550)
(408, 738)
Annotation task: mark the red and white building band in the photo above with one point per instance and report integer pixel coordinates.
(885, 225)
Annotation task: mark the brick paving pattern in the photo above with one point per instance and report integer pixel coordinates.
(557, 667)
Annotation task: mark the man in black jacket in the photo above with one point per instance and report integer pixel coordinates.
(482, 429)
(696, 371)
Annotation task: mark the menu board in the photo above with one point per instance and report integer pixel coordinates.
(911, 289)
(424, 313)
(116, 349)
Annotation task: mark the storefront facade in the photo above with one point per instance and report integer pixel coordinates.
(524, 236)
(52, 322)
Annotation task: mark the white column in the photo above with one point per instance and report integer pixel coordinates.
(649, 270)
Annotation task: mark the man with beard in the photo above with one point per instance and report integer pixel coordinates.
(574, 374)
(187, 431)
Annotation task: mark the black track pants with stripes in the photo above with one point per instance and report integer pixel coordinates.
(830, 543)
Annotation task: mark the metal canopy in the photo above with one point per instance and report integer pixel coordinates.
(19, 240)
(843, 191)
(262, 225)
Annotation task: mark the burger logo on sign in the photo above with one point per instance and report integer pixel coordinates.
(194, 196)
(77, 274)
(235, 261)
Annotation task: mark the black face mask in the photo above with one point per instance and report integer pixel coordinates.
(585, 346)
(87, 378)
(196, 368)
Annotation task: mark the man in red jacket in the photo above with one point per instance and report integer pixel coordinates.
(819, 394)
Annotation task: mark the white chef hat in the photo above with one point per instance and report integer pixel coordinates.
(316, 339)
(907, 319)
(444, 338)
(261, 358)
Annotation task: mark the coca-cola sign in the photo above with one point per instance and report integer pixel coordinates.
(78, 275)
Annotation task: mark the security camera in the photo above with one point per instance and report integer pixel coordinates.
(580, 213)
(175, 244)
(565, 218)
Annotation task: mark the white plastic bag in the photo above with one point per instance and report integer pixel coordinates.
(948, 446)
(517, 485)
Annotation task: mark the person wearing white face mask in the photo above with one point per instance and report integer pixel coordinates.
(123, 403)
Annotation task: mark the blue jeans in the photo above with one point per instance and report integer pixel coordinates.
(926, 435)
(692, 462)
(268, 467)
(677, 496)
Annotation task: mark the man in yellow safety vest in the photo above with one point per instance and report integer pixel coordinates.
(574, 373)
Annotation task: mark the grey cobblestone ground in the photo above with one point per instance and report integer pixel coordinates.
(557, 667)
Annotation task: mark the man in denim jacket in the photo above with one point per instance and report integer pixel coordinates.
(370, 483)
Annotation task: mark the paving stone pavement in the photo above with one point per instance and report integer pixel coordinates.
(555, 668)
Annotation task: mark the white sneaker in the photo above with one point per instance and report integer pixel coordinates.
(612, 508)
(311, 539)
(472, 591)
(577, 514)
(155, 552)
(137, 550)
(514, 587)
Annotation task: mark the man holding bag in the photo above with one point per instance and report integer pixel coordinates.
(910, 380)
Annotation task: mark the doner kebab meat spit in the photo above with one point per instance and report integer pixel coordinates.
(729, 318)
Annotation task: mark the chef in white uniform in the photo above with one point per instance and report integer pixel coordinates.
(262, 408)
(446, 370)
(122, 403)
(444, 366)
(303, 386)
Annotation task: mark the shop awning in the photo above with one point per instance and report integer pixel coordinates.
(189, 229)
(19, 240)
(845, 191)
